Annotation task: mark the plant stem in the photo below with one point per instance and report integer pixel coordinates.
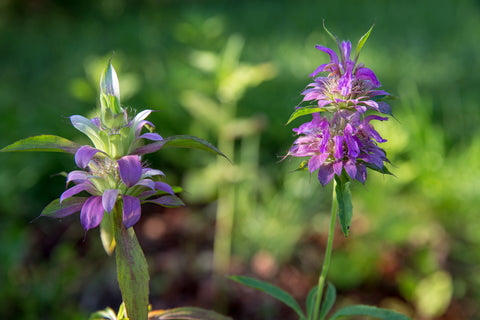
(328, 253)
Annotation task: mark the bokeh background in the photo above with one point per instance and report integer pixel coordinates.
(231, 72)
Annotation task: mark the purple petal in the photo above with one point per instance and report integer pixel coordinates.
(325, 174)
(331, 53)
(345, 48)
(140, 125)
(148, 172)
(361, 173)
(74, 190)
(96, 122)
(109, 198)
(319, 69)
(146, 183)
(151, 136)
(163, 187)
(77, 176)
(92, 212)
(149, 148)
(338, 167)
(316, 161)
(367, 74)
(131, 210)
(84, 154)
(338, 153)
(130, 169)
(351, 168)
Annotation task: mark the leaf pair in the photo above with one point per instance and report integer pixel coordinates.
(326, 305)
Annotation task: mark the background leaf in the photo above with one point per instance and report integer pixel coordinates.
(362, 310)
(272, 290)
(328, 301)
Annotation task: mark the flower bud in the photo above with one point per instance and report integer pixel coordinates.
(110, 90)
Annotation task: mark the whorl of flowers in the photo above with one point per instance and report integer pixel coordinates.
(112, 170)
(340, 137)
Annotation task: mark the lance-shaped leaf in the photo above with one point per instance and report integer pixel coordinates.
(362, 310)
(186, 313)
(362, 41)
(333, 36)
(344, 200)
(132, 270)
(272, 290)
(303, 111)
(48, 143)
(180, 141)
(326, 304)
(55, 209)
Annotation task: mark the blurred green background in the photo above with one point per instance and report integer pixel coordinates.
(231, 72)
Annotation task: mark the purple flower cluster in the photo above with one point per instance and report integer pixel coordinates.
(112, 178)
(343, 140)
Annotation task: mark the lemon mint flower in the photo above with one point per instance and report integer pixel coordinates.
(340, 137)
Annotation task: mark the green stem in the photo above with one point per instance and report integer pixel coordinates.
(132, 269)
(328, 254)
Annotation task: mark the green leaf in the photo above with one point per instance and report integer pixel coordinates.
(362, 41)
(180, 141)
(334, 37)
(304, 111)
(186, 313)
(344, 200)
(310, 302)
(55, 209)
(132, 270)
(49, 143)
(327, 304)
(328, 301)
(362, 310)
(272, 290)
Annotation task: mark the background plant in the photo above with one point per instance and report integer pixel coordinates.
(429, 236)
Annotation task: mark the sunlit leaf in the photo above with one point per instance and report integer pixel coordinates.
(272, 290)
(303, 111)
(362, 310)
(186, 313)
(362, 41)
(48, 143)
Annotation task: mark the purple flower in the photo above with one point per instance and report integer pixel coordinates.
(340, 138)
(348, 84)
(346, 142)
(125, 182)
